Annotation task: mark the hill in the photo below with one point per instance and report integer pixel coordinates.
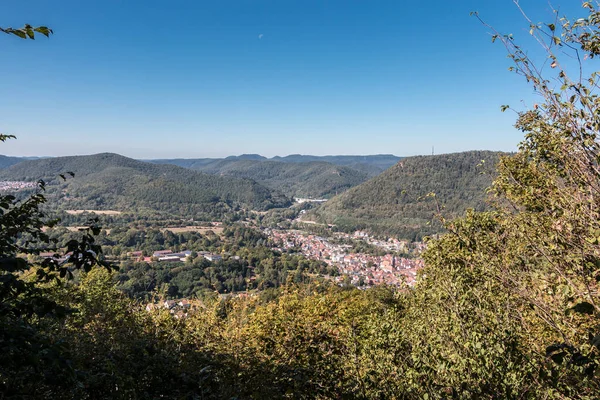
(376, 163)
(7, 161)
(313, 179)
(111, 181)
(295, 175)
(396, 201)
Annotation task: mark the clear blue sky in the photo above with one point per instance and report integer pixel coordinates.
(194, 78)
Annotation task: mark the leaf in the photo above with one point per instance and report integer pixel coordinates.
(29, 31)
(18, 32)
(558, 357)
(44, 30)
(595, 341)
(583, 308)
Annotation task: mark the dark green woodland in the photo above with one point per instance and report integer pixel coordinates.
(408, 198)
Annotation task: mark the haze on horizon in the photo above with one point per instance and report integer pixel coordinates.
(195, 79)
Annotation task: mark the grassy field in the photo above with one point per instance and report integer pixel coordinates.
(99, 212)
(200, 229)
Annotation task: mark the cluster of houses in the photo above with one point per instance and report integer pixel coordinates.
(363, 269)
(367, 270)
(16, 185)
(178, 308)
(390, 244)
(170, 256)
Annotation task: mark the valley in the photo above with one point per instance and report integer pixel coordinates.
(369, 234)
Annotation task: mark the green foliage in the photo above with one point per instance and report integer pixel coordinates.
(25, 302)
(399, 201)
(109, 181)
(28, 31)
(314, 179)
(246, 264)
(6, 161)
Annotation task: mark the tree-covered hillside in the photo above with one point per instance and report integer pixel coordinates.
(111, 181)
(295, 175)
(401, 201)
(7, 161)
(379, 162)
(313, 179)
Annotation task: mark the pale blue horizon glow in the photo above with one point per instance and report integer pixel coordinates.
(193, 79)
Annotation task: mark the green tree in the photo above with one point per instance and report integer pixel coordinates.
(26, 303)
(508, 302)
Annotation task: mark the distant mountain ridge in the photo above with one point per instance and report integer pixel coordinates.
(311, 179)
(295, 175)
(397, 202)
(7, 161)
(382, 161)
(112, 181)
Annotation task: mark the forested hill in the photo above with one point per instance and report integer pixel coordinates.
(396, 201)
(7, 161)
(313, 179)
(295, 175)
(111, 181)
(380, 162)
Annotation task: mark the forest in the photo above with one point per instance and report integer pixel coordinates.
(113, 182)
(407, 199)
(309, 179)
(295, 175)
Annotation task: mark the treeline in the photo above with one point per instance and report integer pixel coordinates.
(109, 181)
(259, 269)
(246, 262)
(7, 161)
(407, 199)
(309, 179)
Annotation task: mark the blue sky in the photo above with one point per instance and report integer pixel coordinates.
(193, 78)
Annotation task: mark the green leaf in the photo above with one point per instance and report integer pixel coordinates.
(44, 30)
(18, 32)
(595, 341)
(583, 308)
(29, 31)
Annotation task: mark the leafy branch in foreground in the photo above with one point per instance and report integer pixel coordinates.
(28, 31)
(22, 233)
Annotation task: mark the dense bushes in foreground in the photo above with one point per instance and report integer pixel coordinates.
(463, 337)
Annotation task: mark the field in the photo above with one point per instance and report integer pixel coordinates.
(200, 229)
(99, 212)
